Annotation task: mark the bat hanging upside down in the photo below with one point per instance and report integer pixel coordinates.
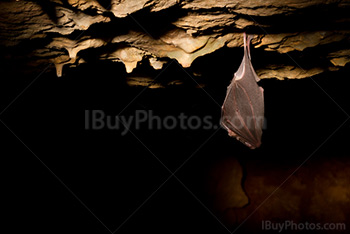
(242, 113)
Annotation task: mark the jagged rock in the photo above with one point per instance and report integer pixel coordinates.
(60, 61)
(195, 22)
(143, 81)
(340, 58)
(150, 82)
(22, 21)
(73, 47)
(287, 42)
(287, 72)
(182, 40)
(85, 5)
(175, 49)
(128, 55)
(255, 8)
(156, 64)
(28, 20)
(188, 30)
(72, 21)
(123, 8)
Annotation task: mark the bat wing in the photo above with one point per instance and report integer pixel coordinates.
(243, 109)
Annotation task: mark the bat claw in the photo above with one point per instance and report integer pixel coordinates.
(232, 134)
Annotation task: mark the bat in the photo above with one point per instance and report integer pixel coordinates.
(242, 113)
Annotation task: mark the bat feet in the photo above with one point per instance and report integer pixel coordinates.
(232, 134)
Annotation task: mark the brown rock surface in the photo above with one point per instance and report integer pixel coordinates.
(317, 192)
(161, 30)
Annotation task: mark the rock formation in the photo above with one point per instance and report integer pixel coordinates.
(314, 35)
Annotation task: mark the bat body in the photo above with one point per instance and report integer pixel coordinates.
(242, 112)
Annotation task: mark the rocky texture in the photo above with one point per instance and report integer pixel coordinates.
(150, 82)
(286, 71)
(225, 185)
(340, 58)
(318, 192)
(132, 32)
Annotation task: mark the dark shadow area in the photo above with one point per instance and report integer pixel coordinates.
(49, 8)
(113, 172)
(107, 4)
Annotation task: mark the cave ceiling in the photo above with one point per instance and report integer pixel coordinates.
(302, 38)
